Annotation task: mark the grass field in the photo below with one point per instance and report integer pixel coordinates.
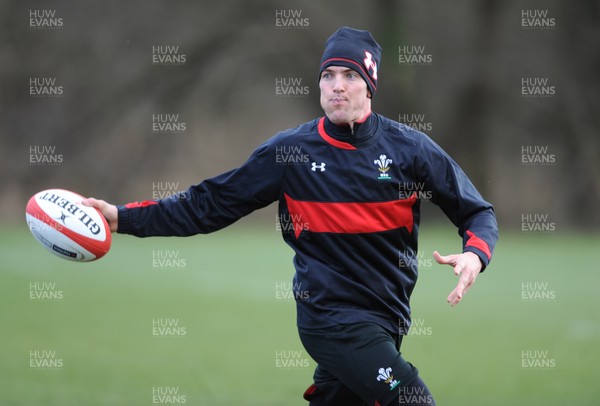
(209, 321)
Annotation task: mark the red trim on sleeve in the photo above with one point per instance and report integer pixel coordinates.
(478, 243)
(135, 205)
(330, 140)
(350, 218)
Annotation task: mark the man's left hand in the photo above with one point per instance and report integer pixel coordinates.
(466, 265)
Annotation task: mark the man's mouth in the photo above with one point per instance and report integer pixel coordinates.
(337, 100)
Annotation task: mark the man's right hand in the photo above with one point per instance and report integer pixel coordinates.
(109, 211)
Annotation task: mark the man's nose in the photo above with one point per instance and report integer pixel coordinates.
(338, 84)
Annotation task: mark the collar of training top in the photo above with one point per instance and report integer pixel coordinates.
(357, 135)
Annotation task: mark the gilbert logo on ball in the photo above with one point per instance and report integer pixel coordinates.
(67, 228)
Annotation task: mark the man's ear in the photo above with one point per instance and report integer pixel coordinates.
(369, 95)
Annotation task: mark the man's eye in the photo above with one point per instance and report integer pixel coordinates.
(351, 75)
(326, 76)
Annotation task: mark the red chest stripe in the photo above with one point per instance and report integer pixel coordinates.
(350, 218)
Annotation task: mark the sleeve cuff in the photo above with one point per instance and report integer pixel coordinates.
(124, 225)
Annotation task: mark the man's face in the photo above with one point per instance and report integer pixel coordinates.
(344, 95)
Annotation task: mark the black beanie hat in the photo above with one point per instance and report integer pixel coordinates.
(354, 49)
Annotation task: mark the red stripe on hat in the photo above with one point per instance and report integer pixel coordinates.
(354, 63)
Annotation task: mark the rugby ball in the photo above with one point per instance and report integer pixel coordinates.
(67, 228)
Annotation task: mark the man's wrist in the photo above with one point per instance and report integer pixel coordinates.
(478, 258)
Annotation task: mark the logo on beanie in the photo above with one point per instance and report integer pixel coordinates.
(370, 64)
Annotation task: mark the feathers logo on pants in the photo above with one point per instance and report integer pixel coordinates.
(385, 374)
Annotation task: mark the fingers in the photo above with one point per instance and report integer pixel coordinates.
(91, 202)
(465, 282)
(109, 211)
(457, 294)
(467, 266)
(453, 298)
(98, 204)
(452, 260)
(444, 259)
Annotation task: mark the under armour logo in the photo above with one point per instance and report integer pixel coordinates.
(370, 64)
(315, 167)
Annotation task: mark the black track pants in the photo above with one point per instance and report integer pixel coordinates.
(360, 364)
